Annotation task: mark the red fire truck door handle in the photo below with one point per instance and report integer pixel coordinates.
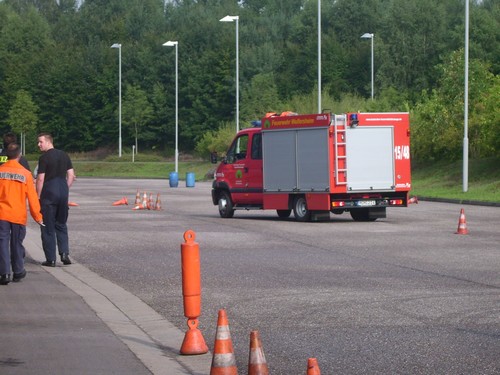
(245, 169)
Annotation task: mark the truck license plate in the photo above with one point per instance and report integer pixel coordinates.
(367, 203)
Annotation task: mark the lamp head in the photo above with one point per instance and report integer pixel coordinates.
(116, 45)
(170, 43)
(229, 19)
(367, 36)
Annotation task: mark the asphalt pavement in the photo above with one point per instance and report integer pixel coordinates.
(69, 320)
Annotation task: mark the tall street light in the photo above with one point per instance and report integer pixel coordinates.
(119, 46)
(319, 56)
(370, 36)
(465, 177)
(175, 44)
(236, 19)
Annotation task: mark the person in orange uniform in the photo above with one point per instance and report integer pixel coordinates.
(16, 186)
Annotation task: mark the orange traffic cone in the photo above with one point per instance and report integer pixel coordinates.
(413, 200)
(137, 198)
(158, 202)
(257, 364)
(73, 204)
(121, 202)
(145, 201)
(462, 224)
(223, 360)
(312, 367)
(151, 203)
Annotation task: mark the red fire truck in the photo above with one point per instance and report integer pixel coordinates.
(317, 164)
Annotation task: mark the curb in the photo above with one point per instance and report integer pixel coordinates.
(460, 201)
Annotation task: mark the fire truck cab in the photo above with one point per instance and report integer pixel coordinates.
(317, 164)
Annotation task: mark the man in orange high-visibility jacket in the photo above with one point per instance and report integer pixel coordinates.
(16, 185)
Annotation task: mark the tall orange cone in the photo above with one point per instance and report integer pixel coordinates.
(257, 364)
(223, 360)
(193, 343)
(137, 198)
(158, 202)
(312, 367)
(151, 203)
(121, 202)
(462, 224)
(145, 201)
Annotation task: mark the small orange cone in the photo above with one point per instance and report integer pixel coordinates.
(257, 364)
(137, 198)
(312, 367)
(145, 201)
(223, 360)
(73, 204)
(413, 200)
(462, 224)
(121, 202)
(158, 202)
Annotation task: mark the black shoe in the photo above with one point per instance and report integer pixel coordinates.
(49, 263)
(65, 259)
(18, 276)
(4, 279)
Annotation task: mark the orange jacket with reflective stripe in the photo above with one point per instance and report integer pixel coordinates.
(16, 185)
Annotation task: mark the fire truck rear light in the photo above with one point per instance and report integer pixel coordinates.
(338, 204)
(396, 202)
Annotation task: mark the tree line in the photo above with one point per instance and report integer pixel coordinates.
(59, 74)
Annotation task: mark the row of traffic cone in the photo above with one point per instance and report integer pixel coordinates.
(142, 204)
(224, 361)
(145, 203)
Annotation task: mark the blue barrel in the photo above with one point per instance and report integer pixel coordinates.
(190, 179)
(174, 179)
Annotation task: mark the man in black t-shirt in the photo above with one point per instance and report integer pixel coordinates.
(54, 178)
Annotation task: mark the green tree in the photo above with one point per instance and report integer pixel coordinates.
(136, 113)
(23, 116)
(439, 118)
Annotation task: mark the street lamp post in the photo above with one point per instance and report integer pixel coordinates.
(236, 19)
(119, 46)
(465, 177)
(370, 36)
(175, 44)
(319, 56)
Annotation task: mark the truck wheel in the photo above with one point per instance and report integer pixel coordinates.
(284, 213)
(225, 205)
(300, 210)
(362, 214)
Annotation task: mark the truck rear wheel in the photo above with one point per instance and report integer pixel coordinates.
(362, 214)
(300, 210)
(284, 213)
(226, 209)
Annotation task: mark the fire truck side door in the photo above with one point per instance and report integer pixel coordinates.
(243, 169)
(252, 173)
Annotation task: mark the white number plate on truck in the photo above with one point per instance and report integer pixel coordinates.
(366, 203)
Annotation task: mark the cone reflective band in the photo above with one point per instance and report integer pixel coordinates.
(191, 275)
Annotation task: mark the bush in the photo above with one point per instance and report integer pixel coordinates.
(216, 141)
